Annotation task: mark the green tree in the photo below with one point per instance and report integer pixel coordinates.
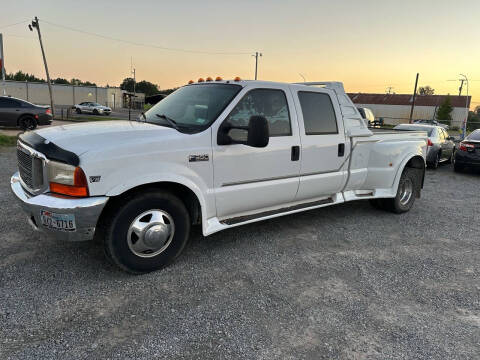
(426, 90)
(143, 86)
(61, 81)
(21, 76)
(444, 111)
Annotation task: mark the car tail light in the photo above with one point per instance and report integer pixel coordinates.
(429, 142)
(79, 188)
(466, 146)
(48, 111)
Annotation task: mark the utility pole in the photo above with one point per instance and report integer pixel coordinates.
(2, 64)
(413, 100)
(257, 54)
(461, 87)
(464, 132)
(35, 24)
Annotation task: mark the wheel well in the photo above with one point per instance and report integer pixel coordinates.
(417, 163)
(186, 195)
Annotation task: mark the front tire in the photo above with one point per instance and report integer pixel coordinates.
(436, 161)
(78, 111)
(95, 112)
(147, 232)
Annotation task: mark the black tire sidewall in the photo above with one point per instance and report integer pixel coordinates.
(27, 120)
(116, 239)
(398, 206)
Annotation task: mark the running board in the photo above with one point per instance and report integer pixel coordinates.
(244, 218)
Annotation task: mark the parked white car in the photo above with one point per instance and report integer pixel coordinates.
(92, 108)
(220, 154)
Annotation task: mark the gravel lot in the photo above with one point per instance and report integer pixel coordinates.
(340, 282)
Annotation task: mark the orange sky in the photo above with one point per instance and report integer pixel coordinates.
(369, 45)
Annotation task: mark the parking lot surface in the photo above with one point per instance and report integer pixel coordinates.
(341, 282)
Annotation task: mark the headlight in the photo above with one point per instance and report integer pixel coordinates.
(67, 179)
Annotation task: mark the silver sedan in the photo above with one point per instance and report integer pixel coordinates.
(92, 108)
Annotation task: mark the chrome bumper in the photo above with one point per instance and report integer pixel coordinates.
(86, 211)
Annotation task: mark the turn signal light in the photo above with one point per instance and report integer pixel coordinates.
(201, 80)
(191, 82)
(78, 189)
(237, 78)
(209, 79)
(218, 78)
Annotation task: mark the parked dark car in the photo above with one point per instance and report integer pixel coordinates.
(468, 152)
(441, 146)
(21, 113)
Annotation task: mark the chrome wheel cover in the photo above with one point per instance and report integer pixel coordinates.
(150, 233)
(406, 192)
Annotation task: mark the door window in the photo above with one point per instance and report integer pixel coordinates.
(318, 113)
(9, 103)
(270, 103)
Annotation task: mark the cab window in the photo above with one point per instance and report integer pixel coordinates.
(270, 103)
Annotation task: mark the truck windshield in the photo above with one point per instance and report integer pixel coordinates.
(192, 108)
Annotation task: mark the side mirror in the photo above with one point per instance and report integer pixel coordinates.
(258, 134)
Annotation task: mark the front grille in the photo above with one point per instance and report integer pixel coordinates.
(30, 168)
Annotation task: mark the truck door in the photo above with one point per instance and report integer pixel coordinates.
(248, 179)
(324, 148)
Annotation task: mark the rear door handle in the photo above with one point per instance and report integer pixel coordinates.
(295, 153)
(341, 150)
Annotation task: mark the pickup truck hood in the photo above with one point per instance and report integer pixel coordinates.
(80, 138)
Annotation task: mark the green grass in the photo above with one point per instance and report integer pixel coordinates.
(6, 140)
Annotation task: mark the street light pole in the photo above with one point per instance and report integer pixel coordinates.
(2, 64)
(35, 24)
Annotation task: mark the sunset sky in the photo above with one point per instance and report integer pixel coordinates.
(369, 45)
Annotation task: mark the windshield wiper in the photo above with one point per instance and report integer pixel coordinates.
(170, 121)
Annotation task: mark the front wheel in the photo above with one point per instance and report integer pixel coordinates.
(436, 161)
(78, 111)
(147, 232)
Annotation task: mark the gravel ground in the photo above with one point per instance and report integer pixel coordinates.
(341, 282)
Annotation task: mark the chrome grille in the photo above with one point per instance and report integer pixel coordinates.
(30, 168)
(25, 167)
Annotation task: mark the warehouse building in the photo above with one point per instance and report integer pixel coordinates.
(395, 108)
(68, 95)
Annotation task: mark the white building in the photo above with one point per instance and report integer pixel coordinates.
(395, 108)
(68, 95)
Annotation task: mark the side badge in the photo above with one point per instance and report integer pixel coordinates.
(195, 158)
(94, 179)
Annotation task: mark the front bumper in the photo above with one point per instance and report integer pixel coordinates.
(86, 211)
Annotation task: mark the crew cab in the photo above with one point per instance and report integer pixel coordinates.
(218, 154)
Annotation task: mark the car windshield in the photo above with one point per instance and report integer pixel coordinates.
(475, 136)
(192, 108)
(428, 129)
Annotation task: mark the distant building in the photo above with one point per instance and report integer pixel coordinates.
(68, 95)
(395, 108)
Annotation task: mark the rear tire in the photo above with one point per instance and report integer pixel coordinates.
(164, 224)
(436, 162)
(78, 111)
(407, 189)
(28, 123)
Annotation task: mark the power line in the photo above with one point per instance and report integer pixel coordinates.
(18, 23)
(146, 45)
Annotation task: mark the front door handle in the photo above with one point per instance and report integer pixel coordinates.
(295, 153)
(341, 150)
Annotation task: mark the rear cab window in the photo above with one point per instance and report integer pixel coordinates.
(318, 113)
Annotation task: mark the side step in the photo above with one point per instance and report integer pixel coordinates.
(240, 219)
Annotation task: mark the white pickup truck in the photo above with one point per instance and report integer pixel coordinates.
(216, 153)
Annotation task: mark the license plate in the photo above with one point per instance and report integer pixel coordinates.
(61, 222)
